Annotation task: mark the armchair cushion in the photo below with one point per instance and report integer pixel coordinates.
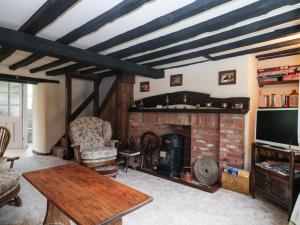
(9, 178)
(99, 153)
(86, 131)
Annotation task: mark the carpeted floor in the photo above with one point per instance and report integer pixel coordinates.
(173, 204)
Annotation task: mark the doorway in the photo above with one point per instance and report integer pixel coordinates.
(11, 112)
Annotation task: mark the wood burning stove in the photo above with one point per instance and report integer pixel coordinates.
(171, 154)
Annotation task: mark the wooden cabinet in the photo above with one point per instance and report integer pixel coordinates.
(280, 189)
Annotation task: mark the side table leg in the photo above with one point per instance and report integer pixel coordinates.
(55, 216)
(127, 164)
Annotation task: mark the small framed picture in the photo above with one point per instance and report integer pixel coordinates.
(145, 86)
(227, 77)
(176, 80)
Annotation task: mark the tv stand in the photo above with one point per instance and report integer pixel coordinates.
(282, 189)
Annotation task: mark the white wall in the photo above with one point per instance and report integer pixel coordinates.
(201, 78)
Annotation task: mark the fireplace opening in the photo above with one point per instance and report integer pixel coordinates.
(171, 154)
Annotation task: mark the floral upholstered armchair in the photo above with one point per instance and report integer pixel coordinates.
(9, 178)
(93, 146)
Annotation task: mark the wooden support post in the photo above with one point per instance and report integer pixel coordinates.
(96, 97)
(68, 112)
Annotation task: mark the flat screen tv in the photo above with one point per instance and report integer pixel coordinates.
(277, 127)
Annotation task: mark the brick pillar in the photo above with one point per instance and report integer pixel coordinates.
(232, 139)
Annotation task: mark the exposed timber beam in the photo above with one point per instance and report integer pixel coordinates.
(43, 46)
(185, 12)
(45, 15)
(259, 49)
(247, 12)
(236, 32)
(83, 105)
(24, 79)
(90, 70)
(250, 11)
(183, 65)
(242, 43)
(281, 55)
(277, 53)
(86, 76)
(117, 11)
(65, 69)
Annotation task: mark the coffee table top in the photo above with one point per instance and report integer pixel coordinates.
(85, 196)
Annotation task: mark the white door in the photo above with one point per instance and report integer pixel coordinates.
(11, 112)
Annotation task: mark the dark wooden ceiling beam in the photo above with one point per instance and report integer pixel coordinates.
(247, 12)
(253, 10)
(43, 46)
(236, 32)
(47, 66)
(278, 53)
(185, 12)
(237, 44)
(65, 69)
(259, 49)
(23, 79)
(117, 11)
(90, 70)
(45, 15)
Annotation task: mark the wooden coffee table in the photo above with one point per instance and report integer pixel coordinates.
(84, 196)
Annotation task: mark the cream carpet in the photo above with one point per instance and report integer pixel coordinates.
(173, 204)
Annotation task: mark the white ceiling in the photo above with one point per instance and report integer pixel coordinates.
(14, 14)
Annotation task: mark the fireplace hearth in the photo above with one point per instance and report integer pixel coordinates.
(171, 154)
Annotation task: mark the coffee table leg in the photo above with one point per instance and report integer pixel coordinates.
(116, 222)
(55, 216)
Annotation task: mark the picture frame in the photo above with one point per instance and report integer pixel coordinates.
(145, 86)
(176, 80)
(227, 77)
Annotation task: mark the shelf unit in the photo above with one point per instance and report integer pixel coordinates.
(279, 82)
(282, 190)
(279, 87)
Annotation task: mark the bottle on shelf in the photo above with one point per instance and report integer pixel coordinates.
(293, 99)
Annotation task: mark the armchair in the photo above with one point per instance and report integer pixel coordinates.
(9, 178)
(93, 147)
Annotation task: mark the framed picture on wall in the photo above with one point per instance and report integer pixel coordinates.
(176, 80)
(145, 86)
(227, 77)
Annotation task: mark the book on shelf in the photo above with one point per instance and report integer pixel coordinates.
(236, 171)
(278, 71)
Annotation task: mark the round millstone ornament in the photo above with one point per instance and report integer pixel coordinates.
(206, 170)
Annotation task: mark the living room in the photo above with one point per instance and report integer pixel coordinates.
(149, 112)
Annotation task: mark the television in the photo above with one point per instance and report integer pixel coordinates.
(277, 127)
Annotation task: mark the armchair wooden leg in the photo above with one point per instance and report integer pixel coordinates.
(18, 201)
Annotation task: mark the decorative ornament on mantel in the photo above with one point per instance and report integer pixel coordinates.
(192, 101)
(293, 103)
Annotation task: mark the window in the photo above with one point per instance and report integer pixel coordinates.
(10, 99)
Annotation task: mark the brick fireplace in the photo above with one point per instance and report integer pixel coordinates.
(207, 134)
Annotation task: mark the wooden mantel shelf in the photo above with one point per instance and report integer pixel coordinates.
(201, 110)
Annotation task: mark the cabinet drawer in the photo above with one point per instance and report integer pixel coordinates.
(261, 181)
